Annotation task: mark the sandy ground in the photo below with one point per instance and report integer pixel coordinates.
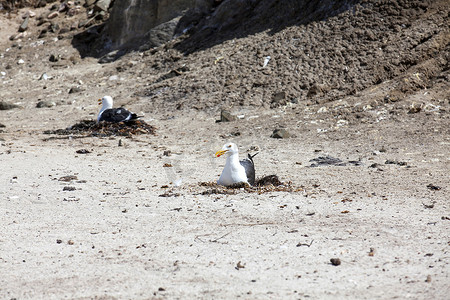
(120, 228)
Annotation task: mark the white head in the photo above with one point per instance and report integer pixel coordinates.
(229, 148)
(106, 102)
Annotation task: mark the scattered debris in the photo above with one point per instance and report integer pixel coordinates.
(433, 187)
(68, 178)
(395, 162)
(167, 165)
(71, 199)
(69, 188)
(305, 244)
(83, 151)
(429, 205)
(372, 252)
(170, 194)
(239, 265)
(331, 161)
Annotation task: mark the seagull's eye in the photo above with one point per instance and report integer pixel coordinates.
(229, 146)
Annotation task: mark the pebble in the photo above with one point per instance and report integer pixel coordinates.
(52, 15)
(24, 25)
(20, 62)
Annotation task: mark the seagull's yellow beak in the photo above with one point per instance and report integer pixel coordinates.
(99, 101)
(221, 152)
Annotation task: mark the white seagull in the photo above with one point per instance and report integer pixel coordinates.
(109, 114)
(236, 171)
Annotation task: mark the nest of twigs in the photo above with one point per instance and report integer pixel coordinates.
(262, 185)
(104, 129)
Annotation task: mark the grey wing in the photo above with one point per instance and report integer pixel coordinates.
(116, 115)
(249, 167)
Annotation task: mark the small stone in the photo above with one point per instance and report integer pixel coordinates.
(69, 188)
(24, 25)
(226, 116)
(167, 153)
(20, 62)
(335, 261)
(58, 241)
(280, 134)
(70, 242)
(52, 15)
(428, 278)
(45, 103)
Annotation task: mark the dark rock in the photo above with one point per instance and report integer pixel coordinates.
(24, 25)
(45, 103)
(433, 187)
(7, 106)
(280, 134)
(83, 151)
(54, 58)
(335, 261)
